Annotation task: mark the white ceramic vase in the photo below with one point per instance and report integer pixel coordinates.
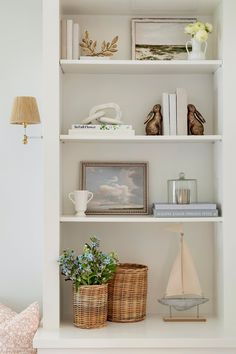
(80, 199)
(198, 49)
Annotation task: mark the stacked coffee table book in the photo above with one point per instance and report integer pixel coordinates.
(167, 210)
(101, 130)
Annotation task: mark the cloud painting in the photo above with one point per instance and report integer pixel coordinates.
(116, 187)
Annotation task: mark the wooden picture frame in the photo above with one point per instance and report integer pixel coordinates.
(160, 38)
(119, 188)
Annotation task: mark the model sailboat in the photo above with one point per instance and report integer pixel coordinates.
(183, 291)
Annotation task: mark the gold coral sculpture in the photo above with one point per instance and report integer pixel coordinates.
(90, 46)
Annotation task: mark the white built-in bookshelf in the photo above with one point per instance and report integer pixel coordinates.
(71, 88)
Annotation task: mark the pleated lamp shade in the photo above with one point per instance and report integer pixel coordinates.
(25, 111)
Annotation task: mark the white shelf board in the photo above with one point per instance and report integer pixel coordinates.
(150, 333)
(133, 219)
(145, 139)
(139, 7)
(140, 66)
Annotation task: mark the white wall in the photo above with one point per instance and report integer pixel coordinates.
(21, 183)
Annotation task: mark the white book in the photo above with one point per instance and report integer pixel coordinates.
(75, 49)
(182, 102)
(63, 38)
(101, 127)
(69, 39)
(173, 120)
(166, 113)
(78, 132)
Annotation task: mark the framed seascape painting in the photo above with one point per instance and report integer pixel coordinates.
(117, 187)
(159, 38)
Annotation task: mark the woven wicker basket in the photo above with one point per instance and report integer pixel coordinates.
(90, 306)
(127, 293)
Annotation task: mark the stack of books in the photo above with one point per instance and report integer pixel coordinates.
(167, 210)
(94, 130)
(174, 111)
(70, 35)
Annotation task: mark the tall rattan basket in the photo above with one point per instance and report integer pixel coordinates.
(127, 293)
(90, 306)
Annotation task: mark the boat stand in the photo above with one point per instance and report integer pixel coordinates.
(172, 318)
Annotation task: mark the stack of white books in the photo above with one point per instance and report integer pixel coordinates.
(167, 210)
(91, 130)
(174, 111)
(70, 36)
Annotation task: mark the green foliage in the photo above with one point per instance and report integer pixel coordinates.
(105, 127)
(92, 267)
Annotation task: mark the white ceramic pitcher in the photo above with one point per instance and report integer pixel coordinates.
(80, 199)
(198, 52)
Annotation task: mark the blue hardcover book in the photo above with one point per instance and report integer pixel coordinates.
(185, 213)
(169, 206)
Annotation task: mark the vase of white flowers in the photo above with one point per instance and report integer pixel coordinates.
(90, 273)
(199, 33)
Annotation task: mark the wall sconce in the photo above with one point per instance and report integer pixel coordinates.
(25, 111)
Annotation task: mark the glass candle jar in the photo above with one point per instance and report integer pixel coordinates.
(182, 190)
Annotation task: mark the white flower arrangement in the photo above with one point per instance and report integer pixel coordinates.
(199, 30)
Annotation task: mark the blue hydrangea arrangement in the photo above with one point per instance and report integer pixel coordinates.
(92, 267)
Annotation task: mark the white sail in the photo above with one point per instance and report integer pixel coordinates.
(183, 279)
